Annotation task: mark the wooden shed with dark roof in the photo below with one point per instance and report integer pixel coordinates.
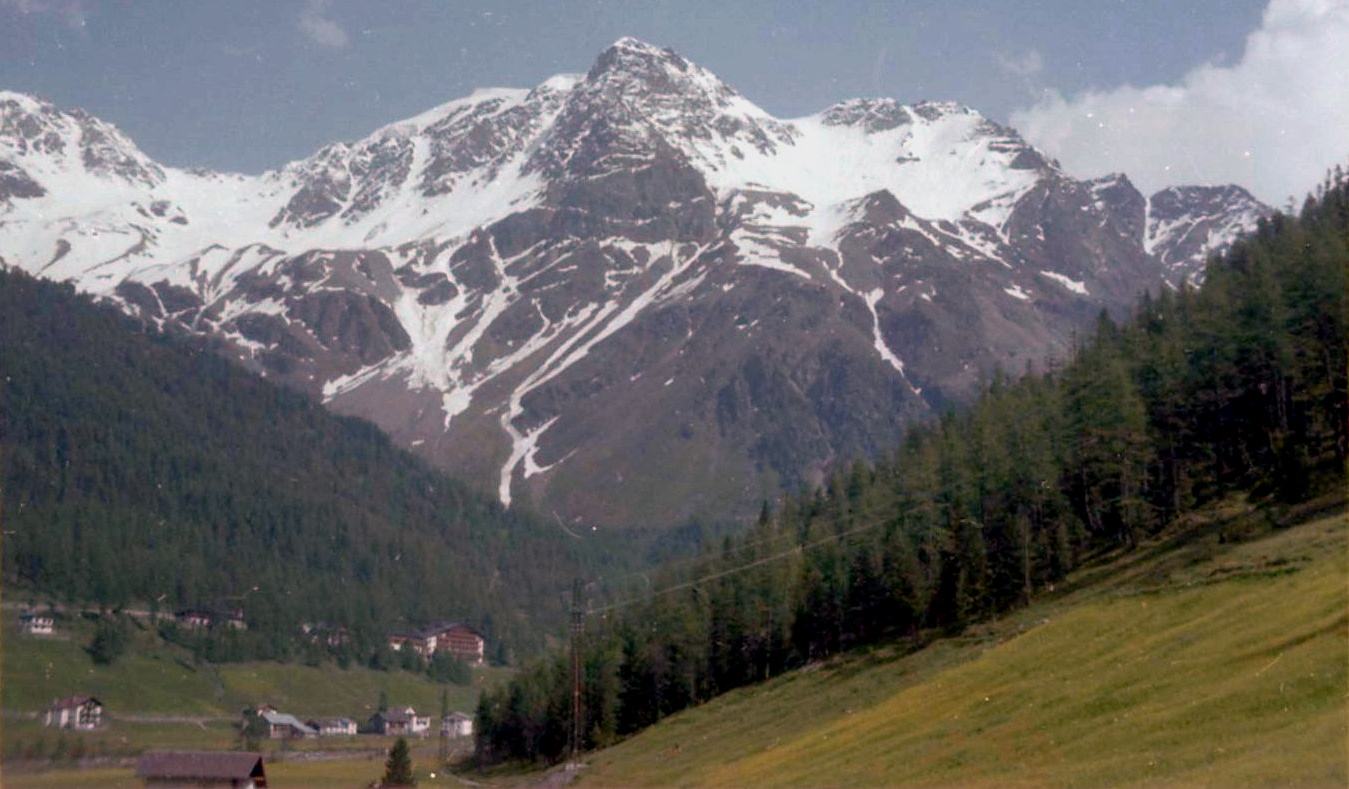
(195, 769)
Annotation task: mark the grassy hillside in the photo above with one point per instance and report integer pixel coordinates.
(1193, 662)
(156, 679)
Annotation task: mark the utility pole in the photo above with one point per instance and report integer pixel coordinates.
(577, 629)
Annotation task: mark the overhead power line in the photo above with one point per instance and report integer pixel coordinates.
(794, 550)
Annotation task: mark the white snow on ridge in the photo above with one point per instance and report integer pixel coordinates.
(939, 169)
(1080, 288)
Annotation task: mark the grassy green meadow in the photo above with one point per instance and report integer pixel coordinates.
(1199, 662)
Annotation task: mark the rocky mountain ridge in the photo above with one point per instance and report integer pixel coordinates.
(629, 296)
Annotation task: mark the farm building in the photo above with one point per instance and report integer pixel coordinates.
(77, 712)
(334, 727)
(401, 722)
(281, 726)
(456, 724)
(202, 769)
(37, 624)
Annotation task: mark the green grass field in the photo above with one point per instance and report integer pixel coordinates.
(1198, 663)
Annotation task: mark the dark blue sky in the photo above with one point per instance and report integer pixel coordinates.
(249, 85)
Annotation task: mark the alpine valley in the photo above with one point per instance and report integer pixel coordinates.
(629, 296)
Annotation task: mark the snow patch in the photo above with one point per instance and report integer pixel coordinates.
(1073, 285)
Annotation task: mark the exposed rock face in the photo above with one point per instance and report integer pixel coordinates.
(630, 296)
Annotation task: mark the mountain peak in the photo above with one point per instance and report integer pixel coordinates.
(655, 68)
(30, 126)
(637, 45)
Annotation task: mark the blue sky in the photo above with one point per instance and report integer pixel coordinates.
(249, 85)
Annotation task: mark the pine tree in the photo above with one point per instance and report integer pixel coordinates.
(398, 769)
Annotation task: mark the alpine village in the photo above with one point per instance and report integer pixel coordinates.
(615, 432)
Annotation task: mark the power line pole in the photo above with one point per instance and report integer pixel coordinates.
(577, 629)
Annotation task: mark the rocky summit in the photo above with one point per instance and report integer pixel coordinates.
(628, 297)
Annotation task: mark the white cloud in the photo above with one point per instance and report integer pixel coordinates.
(315, 24)
(1274, 121)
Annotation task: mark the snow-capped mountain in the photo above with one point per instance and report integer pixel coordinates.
(628, 296)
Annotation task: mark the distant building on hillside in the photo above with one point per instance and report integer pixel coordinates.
(334, 727)
(456, 724)
(401, 722)
(281, 726)
(202, 619)
(77, 712)
(419, 641)
(202, 769)
(459, 640)
(193, 618)
(37, 624)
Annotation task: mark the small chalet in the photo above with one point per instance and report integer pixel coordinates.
(401, 722)
(37, 624)
(334, 727)
(202, 769)
(281, 726)
(83, 713)
(456, 724)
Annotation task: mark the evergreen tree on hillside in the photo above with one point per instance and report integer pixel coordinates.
(140, 466)
(398, 767)
(1236, 387)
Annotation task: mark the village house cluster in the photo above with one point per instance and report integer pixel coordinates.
(393, 722)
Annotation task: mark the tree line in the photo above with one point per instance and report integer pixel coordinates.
(1235, 387)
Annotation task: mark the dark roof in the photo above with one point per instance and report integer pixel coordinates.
(75, 701)
(227, 765)
(396, 716)
(435, 630)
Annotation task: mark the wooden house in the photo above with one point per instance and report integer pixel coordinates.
(77, 712)
(173, 769)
